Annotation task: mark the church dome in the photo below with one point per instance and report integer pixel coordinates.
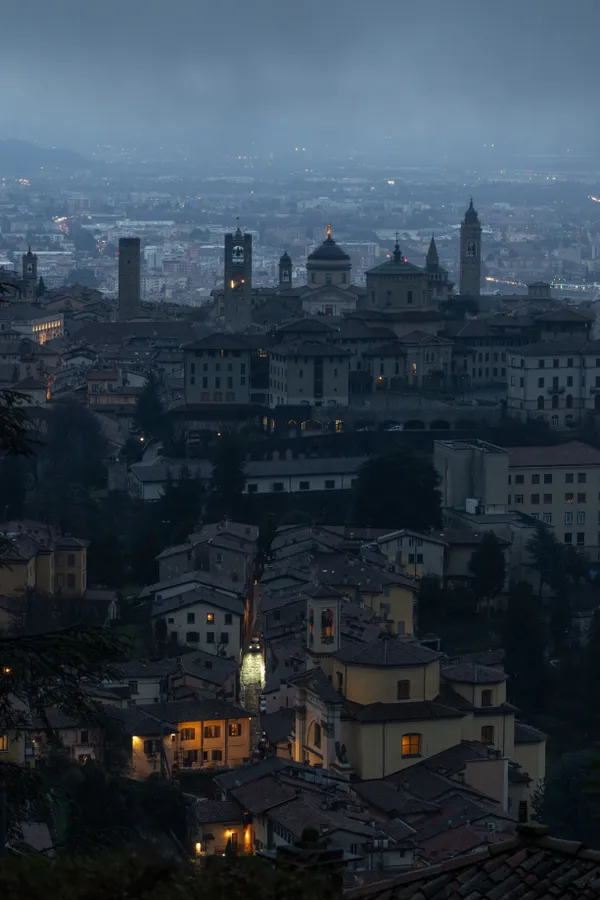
(328, 251)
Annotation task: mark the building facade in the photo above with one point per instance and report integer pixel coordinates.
(470, 253)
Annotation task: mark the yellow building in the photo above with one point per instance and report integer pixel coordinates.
(372, 709)
(37, 559)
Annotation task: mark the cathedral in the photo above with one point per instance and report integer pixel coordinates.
(25, 287)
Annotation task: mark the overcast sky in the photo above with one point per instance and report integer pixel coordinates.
(517, 73)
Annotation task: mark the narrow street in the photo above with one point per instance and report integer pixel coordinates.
(252, 681)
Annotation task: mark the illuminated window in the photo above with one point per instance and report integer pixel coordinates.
(411, 745)
(235, 729)
(210, 617)
(212, 731)
(188, 734)
(3, 743)
(487, 734)
(327, 627)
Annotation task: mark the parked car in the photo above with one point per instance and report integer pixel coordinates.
(262, 704)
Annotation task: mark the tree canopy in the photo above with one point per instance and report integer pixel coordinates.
(488, 567)
(228, 479)
(397, 490)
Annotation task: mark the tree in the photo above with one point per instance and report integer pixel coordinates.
(525, 644)
(228, 479)
(41, 288)
(547, 555)
(488, 568)
(149, 417)
(397, 490)
(564, 802)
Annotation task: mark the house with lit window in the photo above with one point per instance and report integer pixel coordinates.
(187, 734)
(38, 559)
(372, 708)
(206, 619)
(413, 553)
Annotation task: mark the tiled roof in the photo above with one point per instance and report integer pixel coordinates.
(266, 793)
(252, 772)
(527, 734)
(573, 453)
(207, 811)
(404, 712)
(531, 866)
(472, 673)
(387, 651)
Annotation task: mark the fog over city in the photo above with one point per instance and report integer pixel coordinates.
(434, 78)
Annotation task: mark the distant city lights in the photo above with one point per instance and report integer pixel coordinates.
(595, 199)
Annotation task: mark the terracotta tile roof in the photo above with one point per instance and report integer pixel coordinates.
(531, 866)
(208, 811)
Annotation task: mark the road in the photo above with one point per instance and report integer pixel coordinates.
(252, 681)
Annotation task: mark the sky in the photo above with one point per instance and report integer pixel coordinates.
(435, 76)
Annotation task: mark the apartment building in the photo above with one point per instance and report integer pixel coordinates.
(559, 486)
(558, 382)
(308, 374)
(217, 370)
(38, 559)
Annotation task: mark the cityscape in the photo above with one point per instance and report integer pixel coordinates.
(300, 470)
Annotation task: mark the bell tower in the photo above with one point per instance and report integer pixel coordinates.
(237, 300)
(323, 622)
(29, 275)
(285, 272)
(470, 253)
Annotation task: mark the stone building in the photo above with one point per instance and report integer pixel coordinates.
(470, 253)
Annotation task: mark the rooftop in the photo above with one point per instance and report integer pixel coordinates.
(573, 453)
(472, 673)
(387, 651)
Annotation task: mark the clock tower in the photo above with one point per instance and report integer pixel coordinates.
(470, 253)
(29, 275)
(237, 300)
(285, 272)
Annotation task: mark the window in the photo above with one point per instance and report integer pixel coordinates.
(568, 478)
(191, 618)
(70, 581)
(317, 735)
(216, 755)
(3, 743)
(210, 637)
(330, 485)
(569, 381)
(188, 734)
(252, 488)
(170, 621)
(581, 498)
(540, 382)
(403, 690)
(547, 498)
(547, 518)
(547, 479)
(224, 637)
(84, 737)
(217, 382)
(568, 537)
(541, 363)
(192, 637)
(569, 518)
(277, 487)
(581, 478)
(235, 729)
(555, 364)
(228, 618)
(487, 734)
(581, 518)
(580, 538)
(71, 560)
(305, 485)
(210, 617)
(540, 402)
(411, 745)
(486, 697)
(212, 731)
(519, 479)
(327, 627)
(569, 498)
(133, 687)
(535, 498)
(535, 479)
(151, 747)
(519, 498)
(570, 362)
(523, 812)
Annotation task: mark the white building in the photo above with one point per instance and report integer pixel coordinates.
(308, 374)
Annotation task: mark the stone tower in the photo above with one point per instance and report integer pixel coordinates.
(29, 275)
(323, 621)
(237, 300)
(470, 253)
(285, 272)
(129, 278)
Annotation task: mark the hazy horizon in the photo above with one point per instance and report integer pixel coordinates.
(433, 78)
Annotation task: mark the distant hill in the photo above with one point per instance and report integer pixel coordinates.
(21, 158)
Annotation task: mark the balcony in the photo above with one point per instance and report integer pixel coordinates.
(555, 390)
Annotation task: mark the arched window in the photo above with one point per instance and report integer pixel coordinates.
(554, 421)
(540, 402)
(411, 745)
(569, 420)
(569, 401)
(486, 697)
(554, 401)
(317, 735)
(327, 627)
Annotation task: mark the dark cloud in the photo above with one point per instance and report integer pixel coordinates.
(428, 73)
